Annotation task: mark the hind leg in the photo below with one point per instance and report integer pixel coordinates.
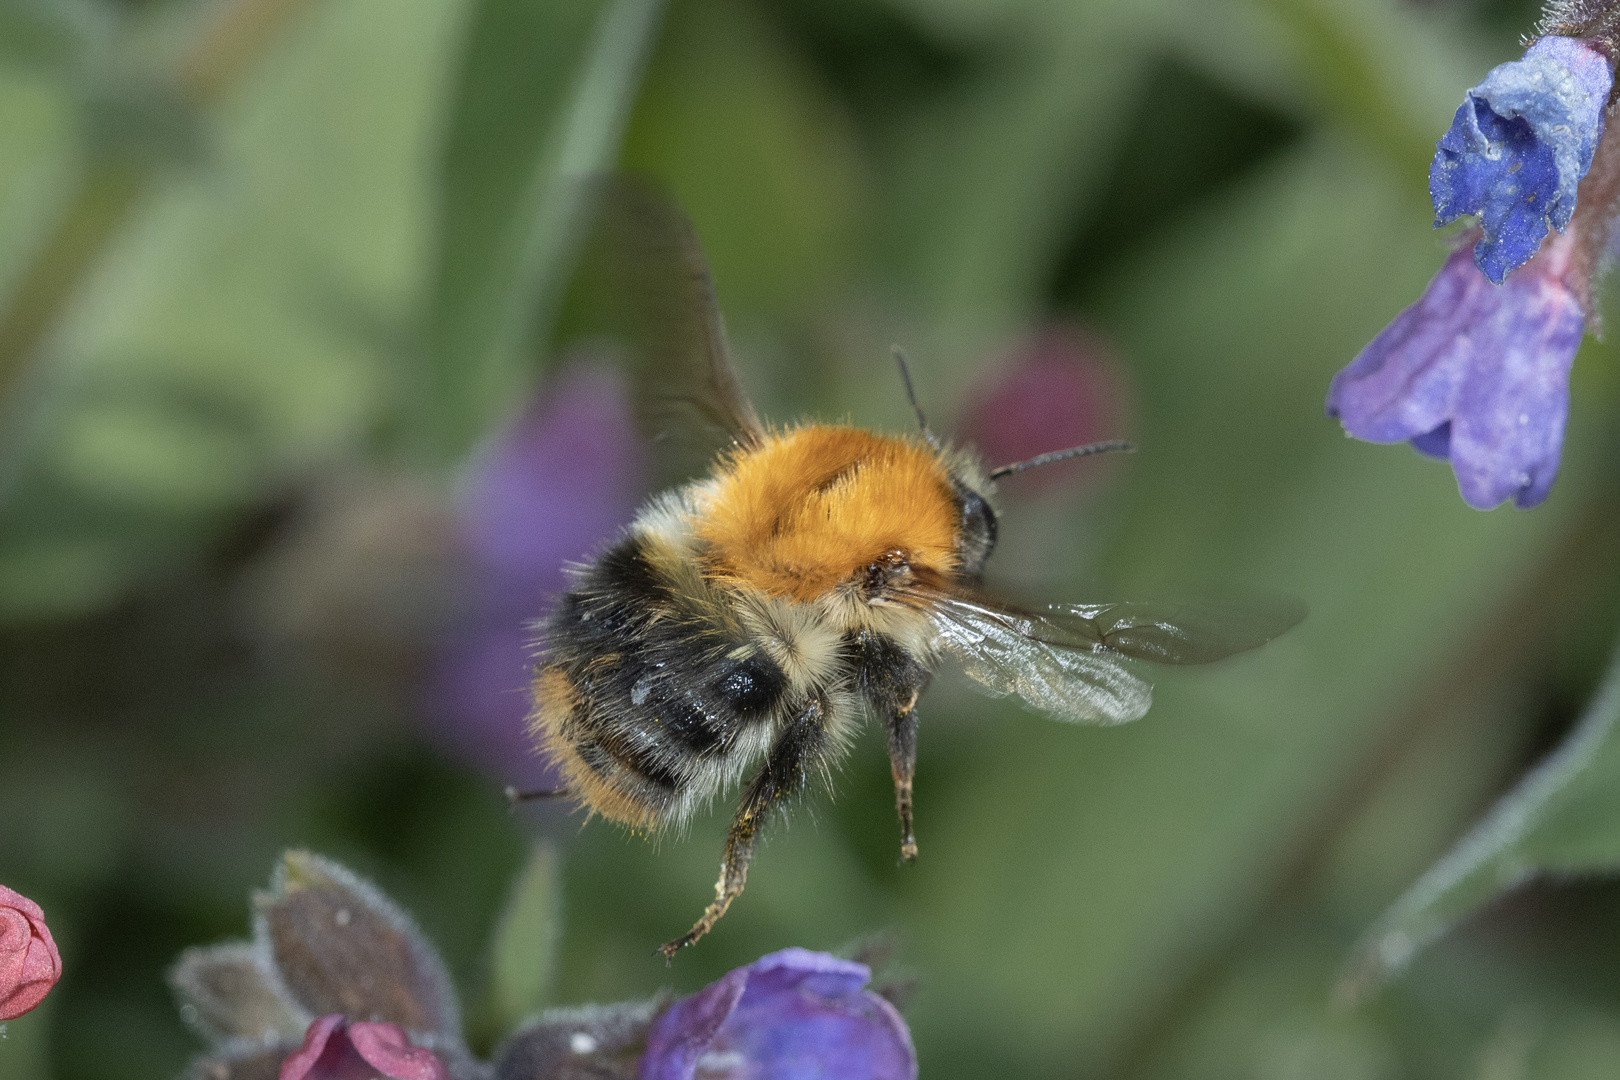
(800, 745)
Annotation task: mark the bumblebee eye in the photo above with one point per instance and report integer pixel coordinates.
(978, 531)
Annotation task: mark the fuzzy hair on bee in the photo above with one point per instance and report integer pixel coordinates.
(743, 626)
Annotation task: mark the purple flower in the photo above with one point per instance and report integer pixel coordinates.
(1477, 373)
(335, 1049)
(1519, 146)
(791, 1015)
(546, 490)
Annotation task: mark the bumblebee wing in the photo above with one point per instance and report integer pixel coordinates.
(1007, 652)
(1074, 661)
(1168, 633)
(657, 301)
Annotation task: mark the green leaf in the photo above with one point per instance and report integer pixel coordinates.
(525, 944)
(1563, 817)
(543, 97)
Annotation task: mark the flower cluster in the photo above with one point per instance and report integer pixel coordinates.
(1477, 370)
(339, 984)
(29, 962)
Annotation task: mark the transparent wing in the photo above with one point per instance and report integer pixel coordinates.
(649, 284)
(1004, 650)
(1168, 633)
(1075, 661)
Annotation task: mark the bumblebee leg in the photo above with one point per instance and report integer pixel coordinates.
(903, 766)
(798, 746)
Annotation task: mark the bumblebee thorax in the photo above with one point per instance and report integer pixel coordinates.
(816, 506)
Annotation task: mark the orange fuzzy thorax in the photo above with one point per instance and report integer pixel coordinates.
(815, 505)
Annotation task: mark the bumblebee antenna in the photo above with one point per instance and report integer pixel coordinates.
(1109, 447)
(514, 796)
(911, 395)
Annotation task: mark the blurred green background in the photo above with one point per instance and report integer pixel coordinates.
(270, 270)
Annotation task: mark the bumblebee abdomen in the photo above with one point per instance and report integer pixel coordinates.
(651, 695)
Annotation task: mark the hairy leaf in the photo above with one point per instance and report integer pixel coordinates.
(1563, 817)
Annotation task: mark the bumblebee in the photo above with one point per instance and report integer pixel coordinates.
(742, 627)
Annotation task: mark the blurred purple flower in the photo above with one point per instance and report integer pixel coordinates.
(335, 1049)
(546, 490)
(1518, 147)
(1477, 373)
(791, 1015)
(1059, 387)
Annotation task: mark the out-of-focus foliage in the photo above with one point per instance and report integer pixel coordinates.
(269, 268)
(541, 104)
(1561, 819)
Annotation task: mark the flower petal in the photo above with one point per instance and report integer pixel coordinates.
(800, 1015)
(1518, 147)
(1405, 383)
(1435, 444)
(1508, 430)
(1476, 373)
(686, 1030)
(301, 1063)
(807, 1014)
(386, 1049)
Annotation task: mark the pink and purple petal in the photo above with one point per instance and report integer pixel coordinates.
(386, 1049)
(1476, 373)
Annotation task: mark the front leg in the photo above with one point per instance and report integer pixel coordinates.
(799, 746)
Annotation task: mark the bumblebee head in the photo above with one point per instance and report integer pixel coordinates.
(971, 485)
(972, 493)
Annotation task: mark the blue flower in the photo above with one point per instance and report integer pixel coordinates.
(791, 1015)
(1518, 147)
(1477, 373)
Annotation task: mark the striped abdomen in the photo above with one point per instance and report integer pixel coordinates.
(651, 695)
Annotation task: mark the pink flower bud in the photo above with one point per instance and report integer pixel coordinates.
(1059, 387)
(29, 962)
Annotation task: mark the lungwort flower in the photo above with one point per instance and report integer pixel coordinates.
(1477, 370)
(792, 1015)
(338, 983)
